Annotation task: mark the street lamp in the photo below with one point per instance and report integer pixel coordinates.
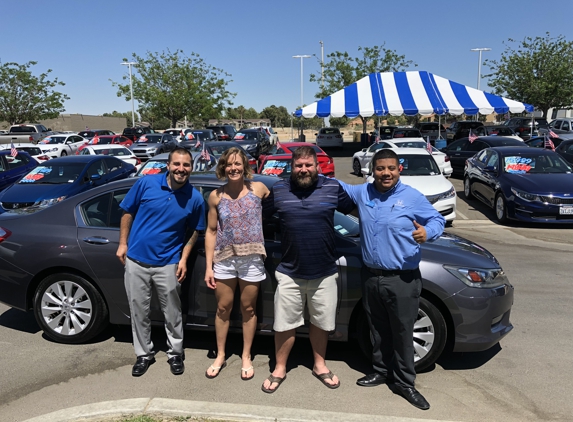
(479, 62)
(301, 57)
(130, 64)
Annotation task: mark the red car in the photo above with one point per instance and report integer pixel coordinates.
(107, 139)
(285, 149)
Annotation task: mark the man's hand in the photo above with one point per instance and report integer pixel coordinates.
(419, 234)
(121, 253)
(181, 271)
(210, 279)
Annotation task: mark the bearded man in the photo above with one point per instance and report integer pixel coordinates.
(307, 273)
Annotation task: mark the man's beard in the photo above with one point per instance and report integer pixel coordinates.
(305, 181)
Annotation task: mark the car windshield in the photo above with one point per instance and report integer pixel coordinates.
(99, 141)
(418, 165)
(280, 167)
(54, 140)
(329, 131)
(413, 144)
(56, 174)
(114, 152)
(218, 150)
(246, 136)
(346, 225)
(410, 133)
(87, 134)
(152, 167)
(201, 135)
(535, 164)
(31, 150)
(149, 138)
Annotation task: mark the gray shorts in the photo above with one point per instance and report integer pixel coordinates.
(321, 296)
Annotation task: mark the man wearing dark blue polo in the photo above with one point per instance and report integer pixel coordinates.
(394, 220)
(161, 212)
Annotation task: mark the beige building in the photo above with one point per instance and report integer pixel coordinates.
(79, 122)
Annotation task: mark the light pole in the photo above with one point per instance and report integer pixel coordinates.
(130, 64)
(479, 62)
(301, 57)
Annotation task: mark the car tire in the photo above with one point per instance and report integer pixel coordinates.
(430, 335)
(467, 189)
(500, 208)
(63, 154)
(69, 309)
(356, 168)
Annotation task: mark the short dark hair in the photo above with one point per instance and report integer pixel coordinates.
(384, 153)
(182, 151)
(303, 152)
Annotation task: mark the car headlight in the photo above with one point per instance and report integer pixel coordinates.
(49, 202)
(447, 195)
(53, 149)
(479, 277)
(525, 195)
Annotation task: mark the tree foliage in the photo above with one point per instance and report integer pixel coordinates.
(173, 85)
(28, 98)
(279, 116)
(537, 72)
(341, 69)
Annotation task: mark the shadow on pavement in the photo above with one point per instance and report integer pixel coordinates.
(16, 319)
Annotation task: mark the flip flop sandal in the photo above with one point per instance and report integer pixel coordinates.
(326, 376)
(273, 379)
(245, 370)
(215, 368)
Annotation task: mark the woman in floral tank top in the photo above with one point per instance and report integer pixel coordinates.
(235, 252)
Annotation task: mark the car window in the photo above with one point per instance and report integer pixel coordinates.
(281, 168)
(329, 131)
(493, 159)
(48, 173)
(113, 164)
(477, 146)
(97, 168)
(418, 165)
(104, 210)
(15, 162)
(565, 125)
(153, 167)
(569, 149)
(482, 156)
(2, 165)
(458, 146)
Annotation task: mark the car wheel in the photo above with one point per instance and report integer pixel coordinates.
(69, 309)
(468, 189)
(500, 209)
(430, 334)
(64, 153)
(356, 168)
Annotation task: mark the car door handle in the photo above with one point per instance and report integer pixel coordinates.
(96, 240)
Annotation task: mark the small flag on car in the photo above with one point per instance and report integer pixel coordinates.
(204, 154)
(472, 137)
(548, 143)
(552, 134)
(198, 144)
(13, 150)
(429, 145)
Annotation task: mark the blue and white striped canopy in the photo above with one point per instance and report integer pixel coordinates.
(409, 93)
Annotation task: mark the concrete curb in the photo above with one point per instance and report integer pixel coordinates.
(226, 411)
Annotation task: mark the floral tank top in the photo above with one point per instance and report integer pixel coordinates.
(240, 227)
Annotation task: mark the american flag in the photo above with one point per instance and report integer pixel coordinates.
(13, 150)
(182, 134)
(279, 146)
(552, 134)
(198, 143)
(472, 137)
(205, 155)
(94, 140)
(429, 145)
(548, 142)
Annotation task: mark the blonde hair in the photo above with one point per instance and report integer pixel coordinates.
(223, 161)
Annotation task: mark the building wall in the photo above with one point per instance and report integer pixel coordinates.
(78, 122)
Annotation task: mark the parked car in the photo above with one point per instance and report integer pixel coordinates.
(325, 161)
(431, 130)
(526, 184)
(178, 133)
(565, 150)
(32, 149)
(61, 178)
(461, 129)
(217, 148)
(385, 132)
(106, 140)
(419, 170)
(158, 164)
(133, 133)
(500, 130)
(273, 137)
(90, 133)
(61, 145)
(522, 126)
(223, 132)
(363, 157)
(466, 297)
(559, 126)
(13, 168)
(254, 141)
(329, 137)
(118, 151)
(149, 145)
(25, 133)
(462, 149)
(400, 133)
(204, 135)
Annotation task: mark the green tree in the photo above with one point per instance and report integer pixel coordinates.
(173, 85)
(341, 70)
(537, 72)
(126, 115)
(28, 98)
(251, 113)
(279, 116)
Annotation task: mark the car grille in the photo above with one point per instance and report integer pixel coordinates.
(557, 201)
(16, 205)
(447, 211)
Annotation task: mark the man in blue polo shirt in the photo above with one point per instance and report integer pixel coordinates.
(394, 220)
(162, 214)
(307, 272)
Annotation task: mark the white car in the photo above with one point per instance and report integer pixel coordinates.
(329, 137)
(62, 144)
(361, 158)
(420, 171)
(118, 151)
(32, 149)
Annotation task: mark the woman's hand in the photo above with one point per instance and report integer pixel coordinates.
(210, 279)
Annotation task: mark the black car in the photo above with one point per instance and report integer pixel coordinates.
(74, 283)
(499, 130)
(204, 135)
(149, 145)
(223, 132)
(431, 130)
(90, 133)
(565, 150)
(522, 126)
(462, 149)
(539, 141)
(135, 132)
(461, 129)
(254, 141)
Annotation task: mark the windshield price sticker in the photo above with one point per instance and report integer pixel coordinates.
(274, 167)
(519, 165)
(154, 168)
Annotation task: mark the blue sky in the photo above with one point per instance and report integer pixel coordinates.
(83, 42)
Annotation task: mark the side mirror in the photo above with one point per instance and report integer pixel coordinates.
(363, 149)
(489, 169)
(95, 177)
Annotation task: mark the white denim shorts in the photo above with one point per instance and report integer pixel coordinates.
(320, 295)
(248, 268)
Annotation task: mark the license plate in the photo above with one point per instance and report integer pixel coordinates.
(566, 210)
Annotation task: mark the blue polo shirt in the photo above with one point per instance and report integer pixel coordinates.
(161, 218)
(307, 226)
(387, 223)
